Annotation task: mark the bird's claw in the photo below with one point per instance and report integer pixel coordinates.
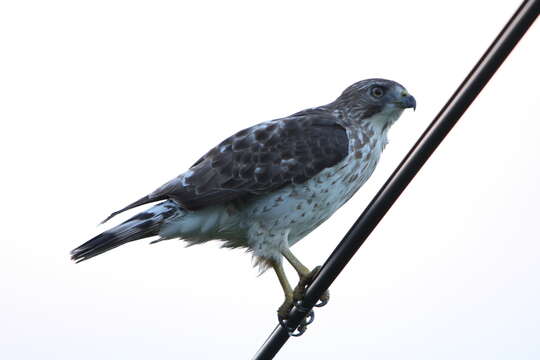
(323, 300)
(301, 329)
(285, 309)
(305, 281)
(296, 301)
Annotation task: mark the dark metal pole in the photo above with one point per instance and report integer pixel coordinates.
(409, 167)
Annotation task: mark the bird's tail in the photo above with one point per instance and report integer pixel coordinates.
(142, 225)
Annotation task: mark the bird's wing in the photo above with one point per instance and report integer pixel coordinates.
(258, 160)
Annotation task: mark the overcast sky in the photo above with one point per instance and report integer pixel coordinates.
(103, 101)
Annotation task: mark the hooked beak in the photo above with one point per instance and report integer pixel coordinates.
(406, 101)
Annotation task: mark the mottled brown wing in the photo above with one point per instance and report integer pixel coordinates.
(258, 160)
(261, 159)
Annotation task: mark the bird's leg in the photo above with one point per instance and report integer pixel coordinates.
(285, 308)
(287, 305)
(300, 268)
(306, 277)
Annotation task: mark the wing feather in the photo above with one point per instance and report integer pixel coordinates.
(258, 160)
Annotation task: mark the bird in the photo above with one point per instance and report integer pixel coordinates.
(268, 186)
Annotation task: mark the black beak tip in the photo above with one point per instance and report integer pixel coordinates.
(412, 102)
(407, 101)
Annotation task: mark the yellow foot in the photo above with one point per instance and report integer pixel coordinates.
(300, 289)
(285, 308)
(283, 316)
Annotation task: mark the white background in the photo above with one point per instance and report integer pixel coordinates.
(103, 101)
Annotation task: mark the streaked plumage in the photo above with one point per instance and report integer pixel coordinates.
(268, 186)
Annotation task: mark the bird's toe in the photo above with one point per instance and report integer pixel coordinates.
(285, 309)
(323, 300)
(305, 281)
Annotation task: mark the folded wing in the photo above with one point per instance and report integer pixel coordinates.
(258, 160)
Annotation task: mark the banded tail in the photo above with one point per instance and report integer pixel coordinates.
(145, 224)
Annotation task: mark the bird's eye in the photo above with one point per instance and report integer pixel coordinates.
(377, 91)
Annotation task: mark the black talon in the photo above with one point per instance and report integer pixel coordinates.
(300, 307)
(293, 332)
(301, 329)
(299, 292)
(304, 284)
(321, 303)
(309, 318)
(283, 322)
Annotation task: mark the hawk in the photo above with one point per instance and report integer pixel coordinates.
(268, 186)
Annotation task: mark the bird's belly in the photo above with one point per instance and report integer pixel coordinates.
(296, 210)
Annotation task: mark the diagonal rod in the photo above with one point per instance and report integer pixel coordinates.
(465, 94)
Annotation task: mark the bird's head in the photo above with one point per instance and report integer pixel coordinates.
(370, 97)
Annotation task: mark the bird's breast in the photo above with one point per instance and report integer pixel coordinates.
(300, 208)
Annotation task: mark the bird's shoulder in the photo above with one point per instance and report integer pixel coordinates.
(267, 135)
